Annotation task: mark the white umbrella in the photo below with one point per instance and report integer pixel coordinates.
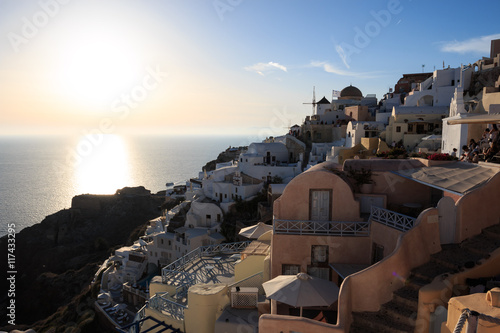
(255, 231)
(301, 290)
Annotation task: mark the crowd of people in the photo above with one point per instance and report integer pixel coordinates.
(484, 149)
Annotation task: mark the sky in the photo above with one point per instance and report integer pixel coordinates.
(218, 67)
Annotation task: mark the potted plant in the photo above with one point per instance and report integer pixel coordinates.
(362, 179)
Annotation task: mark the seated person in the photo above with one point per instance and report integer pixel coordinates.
(465, 155)
(491, 151)
(472, 144)
(475, 156)
(486, 135)
(494, 133)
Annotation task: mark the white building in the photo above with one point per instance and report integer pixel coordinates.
(201, 227)
(263, 161)
(362, 129)
(229, 183)
(439, 89)
(455, 136)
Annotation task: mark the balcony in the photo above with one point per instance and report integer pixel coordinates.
(161, 303)
(346, 229)
(392, 219)
(324, 228)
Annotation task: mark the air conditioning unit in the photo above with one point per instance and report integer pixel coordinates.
(244, 297)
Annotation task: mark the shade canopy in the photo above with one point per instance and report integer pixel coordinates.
(255, 231)
(301, 290)
(455, 177)
(490, 118)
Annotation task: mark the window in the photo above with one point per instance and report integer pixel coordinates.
(410, 128)
(236, 190)
(161, 241)
(290, 269)
(218, 217)
(209, 217)
(225, 195)
(169, 242)
(398, 129)
(319, 254)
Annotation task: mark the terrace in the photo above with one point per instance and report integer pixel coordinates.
(386, 217)
(212, 264)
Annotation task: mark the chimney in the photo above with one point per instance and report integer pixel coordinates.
(495, 48)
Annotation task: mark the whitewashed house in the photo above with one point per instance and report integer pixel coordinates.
(362, 129)
(266, 160)
(201, 227)
(439, 89)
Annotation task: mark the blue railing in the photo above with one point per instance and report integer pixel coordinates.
(161, 303)
(392, 219)
(327, 228)
(176, 267)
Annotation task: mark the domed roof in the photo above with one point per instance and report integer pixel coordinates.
(351, 91)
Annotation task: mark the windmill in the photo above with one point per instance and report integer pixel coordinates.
(313, 101)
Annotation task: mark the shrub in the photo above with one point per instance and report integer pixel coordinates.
(440, 157)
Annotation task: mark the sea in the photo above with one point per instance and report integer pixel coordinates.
(40, 175)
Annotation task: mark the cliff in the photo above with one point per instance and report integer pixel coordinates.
(230, 154)
(57, 258)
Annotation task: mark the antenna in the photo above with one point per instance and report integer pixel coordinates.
(423, 67)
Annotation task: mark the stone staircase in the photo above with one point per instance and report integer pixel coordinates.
(399, 314)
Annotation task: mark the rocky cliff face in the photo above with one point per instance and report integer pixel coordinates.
(57, 258)
(228, 155)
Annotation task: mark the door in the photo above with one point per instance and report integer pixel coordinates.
(447, 220)
(320, 205)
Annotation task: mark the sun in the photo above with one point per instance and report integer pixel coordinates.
(103, 164)
(96, 67)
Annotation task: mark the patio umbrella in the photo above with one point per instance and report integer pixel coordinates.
(301, 290)
(255, 231)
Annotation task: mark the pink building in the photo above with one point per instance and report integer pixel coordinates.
(373, 245)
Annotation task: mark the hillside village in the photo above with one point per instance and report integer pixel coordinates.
(394, 202)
